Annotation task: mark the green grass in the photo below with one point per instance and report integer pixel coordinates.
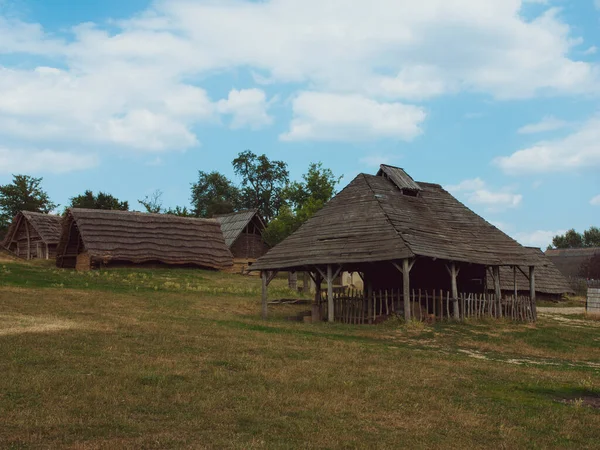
(108, 361)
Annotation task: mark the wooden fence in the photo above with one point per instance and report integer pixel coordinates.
(354, 307)
(592, 305)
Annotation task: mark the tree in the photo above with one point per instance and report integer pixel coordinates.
(573, 239)
(263, 182)
(214, 194)
(101, 201)
(179, 211)
(301, 201)
(23, 194)
(153, 202)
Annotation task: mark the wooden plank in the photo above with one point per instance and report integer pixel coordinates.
(330, 312)
(406, 288)
(532, 292)
(498, 291)
(454, 276)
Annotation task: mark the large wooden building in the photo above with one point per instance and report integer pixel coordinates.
(33, 235)
(403, 237)
(571, 261)
(92, 238)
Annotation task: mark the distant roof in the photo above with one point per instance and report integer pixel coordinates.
(372, 220)
(399, 177)
(570, 260)
(548, 279)
(233, 224)
(46, 225)
(142, 237)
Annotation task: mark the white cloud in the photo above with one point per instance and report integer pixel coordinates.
(476, 192)
(595, 201)
(248, 108)
(118, 83)
(537, 238)
(46, 161)
(326, 116)
(591, 51)
(548, 123)
(581, 149)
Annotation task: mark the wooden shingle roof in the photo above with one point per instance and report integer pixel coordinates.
(570, 260)
(234, 224)
(371, 220)
(142, 237)
(48, 226)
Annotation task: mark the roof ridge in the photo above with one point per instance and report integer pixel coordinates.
(387, 218)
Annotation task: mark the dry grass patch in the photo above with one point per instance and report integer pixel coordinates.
(18, 323)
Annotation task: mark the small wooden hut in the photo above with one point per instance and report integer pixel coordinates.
(420, 252)
(550, 284)
(243, 233)
(33, 235)
(91, 238)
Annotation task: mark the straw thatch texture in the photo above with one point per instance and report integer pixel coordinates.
(47, 226)
(121, 236)
(548, 279)
(373, 220)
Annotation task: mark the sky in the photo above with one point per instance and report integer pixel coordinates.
(496, 100)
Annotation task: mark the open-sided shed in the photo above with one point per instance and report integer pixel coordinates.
(401, 236)
(33, 235)
(92, 237)
(243, 232)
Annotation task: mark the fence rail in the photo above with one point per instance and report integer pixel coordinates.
(355, 307)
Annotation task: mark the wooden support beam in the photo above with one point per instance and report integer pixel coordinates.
(330, 312)
(454, 275)
(318, 279)
(406, 266)
(265, 310)
(28, 240)
(515, 282)
(498, 291)
(532, 291)
(524, 274)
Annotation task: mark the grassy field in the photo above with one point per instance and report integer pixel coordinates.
(180, 359)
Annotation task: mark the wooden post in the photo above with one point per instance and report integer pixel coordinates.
(28, 240)
(532, 292)
(498, 291)
(454, 276)
(330, 315)
(515, 282)
(370, 300)
(47, 252)
(265, 311)
(406, 288)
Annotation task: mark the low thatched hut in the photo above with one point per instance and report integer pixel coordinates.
(91, 238)
(33, 235)
(550, 284)
(409, 241)
(243, 232)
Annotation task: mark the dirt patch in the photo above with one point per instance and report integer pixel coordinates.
(593, 401)
(11, 324)
(561, 311)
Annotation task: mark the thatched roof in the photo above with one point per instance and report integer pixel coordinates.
(548, 279)
(372, 219)
(570, 260)
(234, 224)
(140, 237)
(48, 226)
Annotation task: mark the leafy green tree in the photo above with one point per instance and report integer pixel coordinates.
(212, 194)
(591, 237)
(301, 201)
(179, 211)
(23, 194)
(101, 201)
(263, 182)
(573, 239)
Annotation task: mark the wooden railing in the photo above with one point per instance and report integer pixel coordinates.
(354, 307)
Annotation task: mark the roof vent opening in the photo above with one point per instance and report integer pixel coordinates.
(401, 179)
